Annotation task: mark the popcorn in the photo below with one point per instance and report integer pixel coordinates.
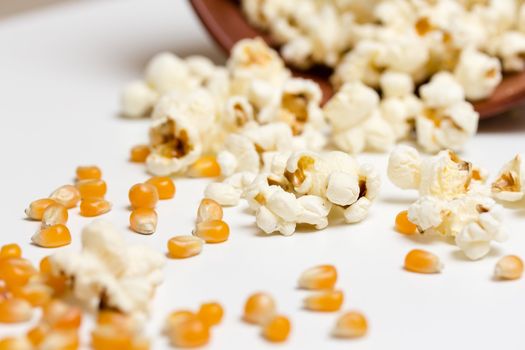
(278, 212)
(230, 191)
(138, 99)
(404, 167)
(510, 47)
(509, 185)
(166, 72)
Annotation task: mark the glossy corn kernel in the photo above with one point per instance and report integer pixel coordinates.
(277, 329)
(509, 267)
(12, 343)
(56, 282)
(37, 294)
(115, 319)
(52, 236)
(15, 310)
(107, 338)
(36, 209)
(177, 317)
(16, 271)
(327, 301)
(67, 195)
(12, 250)
(143, 220)
(259, 308)
(89, 172)
(55, 214)
(60, 315)
(93, 188)
(318, 277)
(404, 225)
(38, 333)
(180, 247)
(205, 166)
(421, 261)
(213, 231)
(139, 153)
(190, 333)
(143, 196)
(60, 340)
(211, 313)
(351, 324)
(164, 185)
(90, 207)
(209, 210)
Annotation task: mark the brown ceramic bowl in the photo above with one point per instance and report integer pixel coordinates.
(226, 23)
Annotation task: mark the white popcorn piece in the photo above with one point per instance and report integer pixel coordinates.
(239, 154)
(230, 190)
(510, 47)
(404, 167)
(396, 84)
(278, 212)
(166, 72)
(238, 111)
(315, 211)
(138, 99)
(510, 182)
(442, 91)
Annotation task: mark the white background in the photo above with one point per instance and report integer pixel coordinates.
(61, 70)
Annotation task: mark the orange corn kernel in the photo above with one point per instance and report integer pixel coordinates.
(351, 324)
(143, 220)
(12, 250)
(189, 333)
(52, 236)
(509, 267)
(119, 321)
(95, 188)
(107, 338)
(16, 271)
(139, 153)
(38, 333)
(143, 196)
(12, 343)
(60, 340)
(164, 185)
(277, 329)
(421, 261)
(180, 247)
(60, 315)
(326, 301)
(15, 310)
(67, 195)
(55, 214)
(404, 225)
(90, 207)
(214, 231)
(37, 294)
(57, 282)
(205, 166)
(211, 313)
(177, 317)
(36, 209)
(318, 277)
(259, 308)
(209, 210)
(89, 172)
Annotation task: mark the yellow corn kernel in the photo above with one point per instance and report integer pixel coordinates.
(37, 294)
(164, 185)
(139, 153)
(12, 343)
(38, 333)
(16, 271)
(205, 166)
(509, 267)
(143, 220)
(180, 247)
(12, 250)
(213, 231)
(404, 225)
(117, 320)
(88, 172)
(421, 261)
(277, 329)
(259, 308)
(67, 195)
(60, 340)
(107, 338)
(55, 214)
(192, 332)
(15, 310)
(209, 210)
(326, 301)
(90, 207)
(52, 236)
(318, 277)
(36, 209)
(211, 313)
(177, 317)
(351, 324)
(92, 188)
(143, 196)
(60, 315)
(56, 282)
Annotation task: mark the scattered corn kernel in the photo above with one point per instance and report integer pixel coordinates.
(509, 267)
(67, 195)
(54, 214)
(205, 166)
(16, 271)
(37, 294)
(89, 172)
(115, 319)
(52, 236)
(38, 333)
(36, 208)
(143, 196)
(139, 153)
(164, 185)
(90, 207)
(318, 277)
(177, 317)
(190, 333)
(209, 210)
(12, 250)
(106, 338)
(143, 220)
(15, 310)
(404, 225)
(12, 343)
(351, 324)
(327, 301)
(63, 340)
(259, 308)
(180, 247)
(421, 261)
(57, 282)
(94, 188)
(60, 315)
(214, 231)
(211, 313)
(277, 329)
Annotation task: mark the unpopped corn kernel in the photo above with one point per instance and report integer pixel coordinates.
(11, 250)
(421, 261)
(351, 324)
(15, 310)
(92, 188)
(139, 153)
(509, 267)
(211, 313)
(214, 231)
(143, 196)
(54, 214)
(90, 207)
(67, 195)
(326, 301)
(277, 329)
(404, 225)
(180, 247)
(205, 166)
(36, 209)
(89, 172)
(209, 210)
(318, 277)
(164, 185)
(143, 220)
(52, 236)
(259, 308)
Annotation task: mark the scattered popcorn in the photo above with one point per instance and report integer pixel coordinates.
(509, 185)
(138, 99)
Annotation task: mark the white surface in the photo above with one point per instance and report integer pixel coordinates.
(61, 71)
